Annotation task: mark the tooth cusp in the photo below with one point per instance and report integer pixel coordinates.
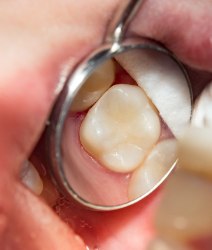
(120, 128)
(123, 158)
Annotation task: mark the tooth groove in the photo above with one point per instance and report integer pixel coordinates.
(121, 121)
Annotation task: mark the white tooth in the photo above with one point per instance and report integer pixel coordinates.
(155, 167)
(202, 114)
(99, 81)
(120, 128)
(163, 82)
(195, 151)
(185, 210)
(164, 244)
(31, 178)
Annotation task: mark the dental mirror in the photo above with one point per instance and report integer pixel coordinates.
(113, 131)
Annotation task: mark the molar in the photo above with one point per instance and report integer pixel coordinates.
(120, 128)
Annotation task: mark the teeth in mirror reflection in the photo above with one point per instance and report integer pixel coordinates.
(99, 81)
(163, 82)
(31, 178)
(120, 128)
(158, 163)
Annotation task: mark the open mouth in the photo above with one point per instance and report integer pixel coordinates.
(107, 230)
(43, 218)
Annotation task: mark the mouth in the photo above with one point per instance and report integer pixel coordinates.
(100, 230)
(43, 218)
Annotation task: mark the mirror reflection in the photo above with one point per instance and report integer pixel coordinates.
(125, 120)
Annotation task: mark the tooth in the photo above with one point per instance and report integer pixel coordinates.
(163, 82)
(155, 167)
(202, 114)
(195, 151)
(31, 178)
(120, 128)
(164, 244)
(99, 81)
(184, 214)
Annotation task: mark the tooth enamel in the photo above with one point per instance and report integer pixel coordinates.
(164, 244)
(99, 81)
(31, 178)
(195, 151)
(202, 114)
(185, 210)
(156, 166)
(120, 128)
(163, 82)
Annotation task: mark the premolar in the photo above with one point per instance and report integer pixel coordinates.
(155, 167)
(99, 81)
(120, 128)
(31, 178)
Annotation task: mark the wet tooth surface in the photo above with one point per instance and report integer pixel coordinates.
(202, 114)
(99, 81)
(120, 128)
(195, 149)
(31, 178)
(163, 82)
(157, 164)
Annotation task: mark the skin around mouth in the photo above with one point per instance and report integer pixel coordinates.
(29, 72)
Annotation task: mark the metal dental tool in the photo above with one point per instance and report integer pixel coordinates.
(76, 180)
